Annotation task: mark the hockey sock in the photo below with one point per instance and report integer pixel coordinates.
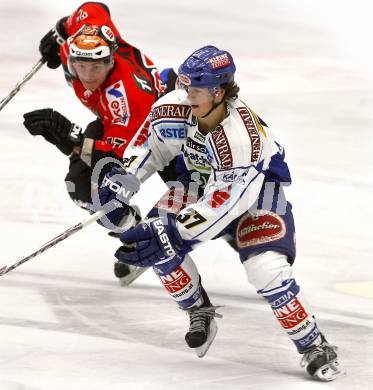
(292, 311)
(183, 284)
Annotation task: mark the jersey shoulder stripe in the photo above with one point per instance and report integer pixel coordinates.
(222, 148)
(170, 111)
(250, 124)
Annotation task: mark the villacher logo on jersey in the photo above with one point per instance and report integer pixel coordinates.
(255, 230)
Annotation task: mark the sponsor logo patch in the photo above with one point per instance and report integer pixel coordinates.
(164, 239)
(170, 111)
(220, 61)
(142, 83)
(309, 339)
(199, 137)
(118, 104)
(282, 300)
(255, 230)
(117, 188)
(222, 147)
(238, 177)
(176, 281)
(301, 328)
(169, 132)
(108, 33)
(196, 159)
(195, 145)
(291, 314)
(252, 132)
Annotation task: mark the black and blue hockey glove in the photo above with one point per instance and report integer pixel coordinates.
(114, 195)
(154, 242)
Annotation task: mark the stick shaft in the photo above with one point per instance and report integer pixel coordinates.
(67, 233)
(18, 86)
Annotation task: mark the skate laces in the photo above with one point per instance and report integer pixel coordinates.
(199, 317)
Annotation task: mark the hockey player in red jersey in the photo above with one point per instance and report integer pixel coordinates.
(112, 78)
(233, 187)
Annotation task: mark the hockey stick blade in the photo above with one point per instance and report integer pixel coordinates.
(132, 276)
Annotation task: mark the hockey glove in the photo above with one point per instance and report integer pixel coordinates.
(114, 195)
(49, 46)
(55, 128)
(155, 242)
(78, 181)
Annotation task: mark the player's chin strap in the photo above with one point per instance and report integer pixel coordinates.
(214, 106)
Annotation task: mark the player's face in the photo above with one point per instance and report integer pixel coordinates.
(91, 74)
(201, 100)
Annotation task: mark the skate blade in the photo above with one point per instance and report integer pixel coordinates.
(132, 276)
(202, 350)
(329, 372)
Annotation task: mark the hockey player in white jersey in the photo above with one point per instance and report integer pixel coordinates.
(232, 174)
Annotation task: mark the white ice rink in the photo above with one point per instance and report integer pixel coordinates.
(306, 67)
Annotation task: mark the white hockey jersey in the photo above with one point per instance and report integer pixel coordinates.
(232, 160)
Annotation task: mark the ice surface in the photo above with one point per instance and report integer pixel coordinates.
(306, 68)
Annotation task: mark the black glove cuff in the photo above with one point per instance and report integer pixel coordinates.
(59, 32)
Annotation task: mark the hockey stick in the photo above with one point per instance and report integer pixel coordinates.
(67, 233)
(18, 86)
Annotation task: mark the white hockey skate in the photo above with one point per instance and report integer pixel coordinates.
(126, 273)
(321, 361)
(203, 329)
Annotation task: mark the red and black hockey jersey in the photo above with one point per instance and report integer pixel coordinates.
(124, 100)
